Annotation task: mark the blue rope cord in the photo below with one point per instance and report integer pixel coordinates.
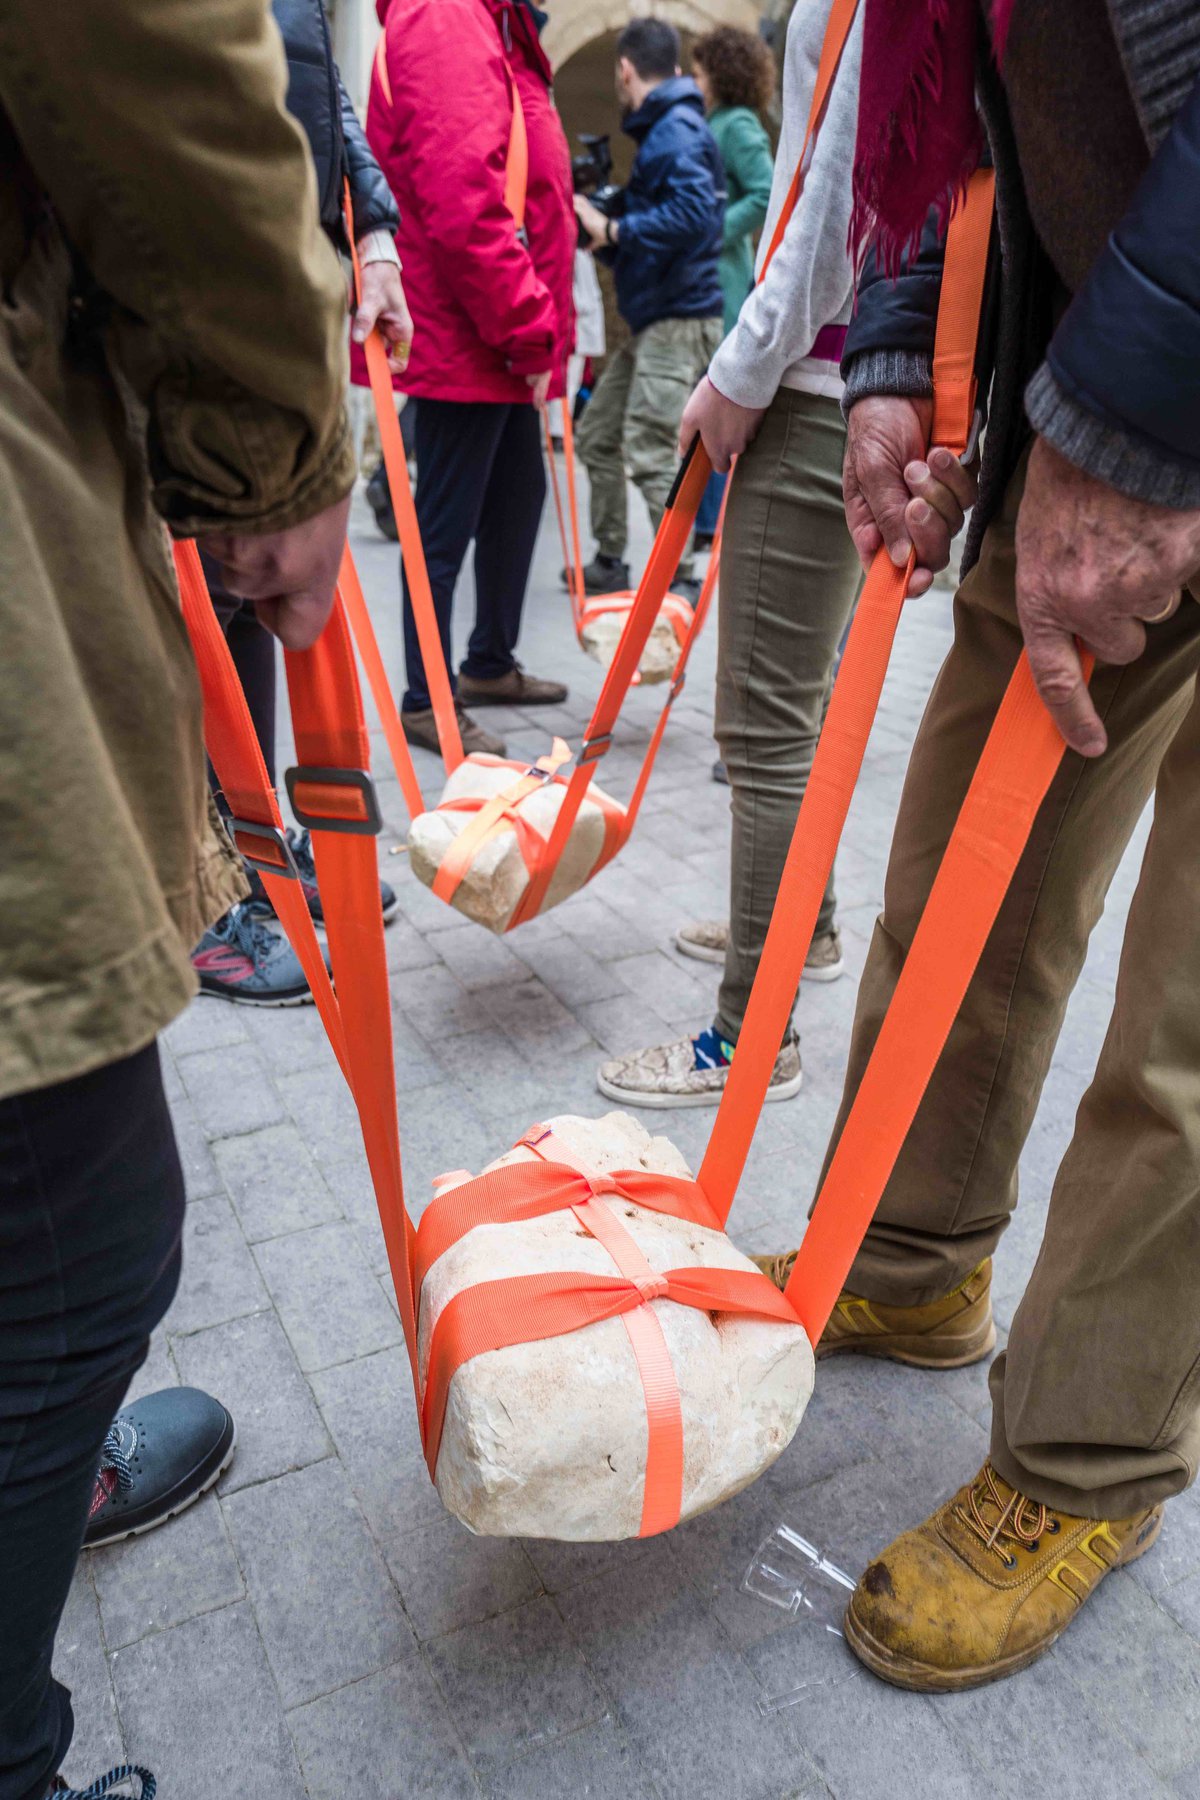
(102, 1785)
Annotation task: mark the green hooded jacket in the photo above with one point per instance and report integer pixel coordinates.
(746, 153)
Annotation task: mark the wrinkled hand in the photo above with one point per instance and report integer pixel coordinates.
(594, 222)
(1095, 566)
(897, 496)
(725, 427)
(290, 575)
(541, 387)
(383, 303)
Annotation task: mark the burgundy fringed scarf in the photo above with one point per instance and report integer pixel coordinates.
(918, 131)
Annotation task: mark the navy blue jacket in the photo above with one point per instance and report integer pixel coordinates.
(665, 260)
(318, 101)
(1126, 351)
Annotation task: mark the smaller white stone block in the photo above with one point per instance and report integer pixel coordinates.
(602, 633)
(549, 1439)
(497, 877)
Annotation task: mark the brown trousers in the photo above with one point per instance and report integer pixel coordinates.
(1096, 1403)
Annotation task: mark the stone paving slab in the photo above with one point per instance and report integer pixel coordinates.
(319, 1627)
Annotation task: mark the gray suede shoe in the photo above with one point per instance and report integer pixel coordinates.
(707, 940)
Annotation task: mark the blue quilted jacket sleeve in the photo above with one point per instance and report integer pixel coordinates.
(1119, 392)
(374, 205)
(889, 341)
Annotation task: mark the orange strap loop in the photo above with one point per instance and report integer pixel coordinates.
(1018, 763)
(492, 814)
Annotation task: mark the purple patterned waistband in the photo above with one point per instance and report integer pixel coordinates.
(829, 344)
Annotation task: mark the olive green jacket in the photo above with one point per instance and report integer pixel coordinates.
(172, 330)
(746, 154)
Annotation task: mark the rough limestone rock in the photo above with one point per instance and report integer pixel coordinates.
(549, 1439)
(497, 877)
(602, 633)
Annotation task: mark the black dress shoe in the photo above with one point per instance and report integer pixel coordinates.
(160, 1455)
(605, 575)
(379, 498)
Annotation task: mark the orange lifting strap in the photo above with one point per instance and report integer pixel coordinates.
(516, 181)
(331, 794)
(675, 609)
(542, 855)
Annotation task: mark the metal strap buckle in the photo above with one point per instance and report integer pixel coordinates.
(282, 864)
(303, 785)
(594, 748)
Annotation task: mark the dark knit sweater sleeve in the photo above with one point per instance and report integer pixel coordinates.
(889, 341)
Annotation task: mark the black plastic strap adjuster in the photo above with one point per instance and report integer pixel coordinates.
(282, 863)
(365, 820)
(677, 687)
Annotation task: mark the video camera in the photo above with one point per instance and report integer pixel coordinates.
(590, 172)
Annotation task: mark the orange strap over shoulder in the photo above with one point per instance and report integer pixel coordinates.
(516, 162)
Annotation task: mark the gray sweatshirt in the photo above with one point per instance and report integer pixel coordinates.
(810, 282)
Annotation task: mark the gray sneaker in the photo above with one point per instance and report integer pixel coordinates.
(708, 939)
(689, 1072)
(240, 958)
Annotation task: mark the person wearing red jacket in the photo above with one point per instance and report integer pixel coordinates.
(492, 313)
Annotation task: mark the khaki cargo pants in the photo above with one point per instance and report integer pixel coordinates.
(631, 425)
(1096, 1403)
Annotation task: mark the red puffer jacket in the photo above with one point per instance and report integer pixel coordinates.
(487, 310)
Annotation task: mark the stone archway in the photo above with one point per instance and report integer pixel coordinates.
(574, 23)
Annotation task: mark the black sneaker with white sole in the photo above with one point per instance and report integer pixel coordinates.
(306, 868)
(160, 1455)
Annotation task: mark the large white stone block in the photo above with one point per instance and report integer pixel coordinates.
(497, 876)
(601, 634)
(549, 1439)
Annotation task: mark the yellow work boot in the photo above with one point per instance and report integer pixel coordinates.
(984, 1586)
(944, 1334)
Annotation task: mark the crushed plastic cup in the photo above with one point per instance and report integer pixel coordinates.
(792, 1574)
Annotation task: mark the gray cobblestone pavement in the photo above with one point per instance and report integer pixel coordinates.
(320, 1627)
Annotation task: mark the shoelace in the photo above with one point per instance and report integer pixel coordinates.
(301, 842)
(1020, 1521)
(104, 1784)
(252, 934)
(113, 1457)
